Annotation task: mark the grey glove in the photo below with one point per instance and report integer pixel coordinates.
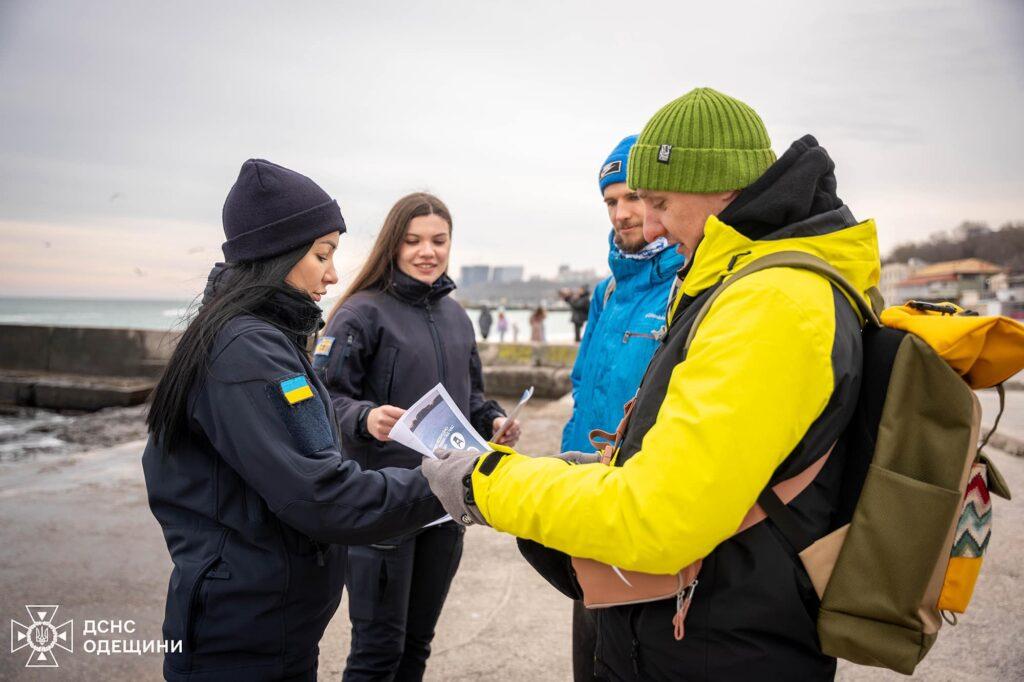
(574, 457)
(450, 479)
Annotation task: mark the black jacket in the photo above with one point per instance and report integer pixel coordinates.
(389, 348)
(580, 305)
(249, 507)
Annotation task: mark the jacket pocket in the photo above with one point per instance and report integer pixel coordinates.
(213, 569)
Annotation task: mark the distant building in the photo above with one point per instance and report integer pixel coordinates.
(506, 274)
(892, 275)
(475, 274)
(955, 281)
(1007, 295)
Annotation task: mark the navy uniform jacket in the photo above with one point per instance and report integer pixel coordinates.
(254, 510)
(389, 348)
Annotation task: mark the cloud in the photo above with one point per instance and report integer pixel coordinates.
(504, 110)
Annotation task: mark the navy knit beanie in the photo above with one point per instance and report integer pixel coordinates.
(271, 209)
(613, 169)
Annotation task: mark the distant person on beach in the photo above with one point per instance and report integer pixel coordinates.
(627, 314)
(243, 466)
(537, 325)
(757, 395)
(484, 321)
(390, 338)
(579, 305)
(502, 326)
(515, 332)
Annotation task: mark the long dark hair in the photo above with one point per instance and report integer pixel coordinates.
(379, 266)
(240, 288)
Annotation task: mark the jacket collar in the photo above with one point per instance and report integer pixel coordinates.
(291, 311)
(414, 292)
(653, 271)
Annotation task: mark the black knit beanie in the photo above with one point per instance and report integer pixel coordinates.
(271, 209)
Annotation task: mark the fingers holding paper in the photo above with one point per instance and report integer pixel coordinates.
(381, 420)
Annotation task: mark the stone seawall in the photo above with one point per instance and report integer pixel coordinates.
(80, 368)
(84, 368)
(85, 350)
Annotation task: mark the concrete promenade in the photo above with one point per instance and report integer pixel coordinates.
(76, 531)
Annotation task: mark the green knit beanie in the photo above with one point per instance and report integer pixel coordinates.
(702, 142)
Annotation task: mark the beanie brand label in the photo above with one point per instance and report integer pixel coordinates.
(609, 168)
(664, 153)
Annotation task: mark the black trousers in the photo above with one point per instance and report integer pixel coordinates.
(396, 591)
(584, 642)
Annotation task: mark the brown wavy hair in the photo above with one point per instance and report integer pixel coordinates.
(380, 265)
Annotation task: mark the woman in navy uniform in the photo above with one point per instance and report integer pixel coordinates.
(391, 337)
(243, 465)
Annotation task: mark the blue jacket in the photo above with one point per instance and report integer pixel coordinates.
(618, 342)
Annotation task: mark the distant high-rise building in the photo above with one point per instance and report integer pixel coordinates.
(475, 274)
(506, 274)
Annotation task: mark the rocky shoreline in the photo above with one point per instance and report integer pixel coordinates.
(28, 431)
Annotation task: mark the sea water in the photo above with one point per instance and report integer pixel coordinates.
(171, 315)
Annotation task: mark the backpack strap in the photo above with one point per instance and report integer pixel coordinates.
(1002, 406)
(803, 261)
(608, 291)
(771, 503)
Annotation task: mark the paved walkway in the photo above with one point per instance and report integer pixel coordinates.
(76, 531)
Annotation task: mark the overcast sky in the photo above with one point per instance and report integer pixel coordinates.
(122, 125)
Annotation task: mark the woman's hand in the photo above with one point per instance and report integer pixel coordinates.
(511, 436)
(381, 420)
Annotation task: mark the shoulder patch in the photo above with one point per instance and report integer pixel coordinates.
(324, 346)
(306, 420)
(296, 389)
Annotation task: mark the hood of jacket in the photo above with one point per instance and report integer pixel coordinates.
(653, 270)
(792, 207)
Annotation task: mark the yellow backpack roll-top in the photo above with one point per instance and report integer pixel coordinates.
(985, 350)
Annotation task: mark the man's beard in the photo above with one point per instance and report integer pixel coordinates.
(633, 245)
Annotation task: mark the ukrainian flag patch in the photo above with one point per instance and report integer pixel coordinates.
(324, 346)
(296, 389)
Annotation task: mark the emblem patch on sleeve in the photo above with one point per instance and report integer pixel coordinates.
(296, 389)
(324, 346)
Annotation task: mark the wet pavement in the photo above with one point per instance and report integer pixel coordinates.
(75, 530)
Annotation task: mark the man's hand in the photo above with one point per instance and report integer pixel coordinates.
(511, 436)
(450, 479)
(381, 420)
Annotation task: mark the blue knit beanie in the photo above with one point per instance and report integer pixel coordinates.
(614, 168)
(272, 209)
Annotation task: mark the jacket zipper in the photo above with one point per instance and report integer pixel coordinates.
(657, 335)
(441, 368)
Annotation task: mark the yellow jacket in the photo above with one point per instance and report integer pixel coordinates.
(758, 375)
